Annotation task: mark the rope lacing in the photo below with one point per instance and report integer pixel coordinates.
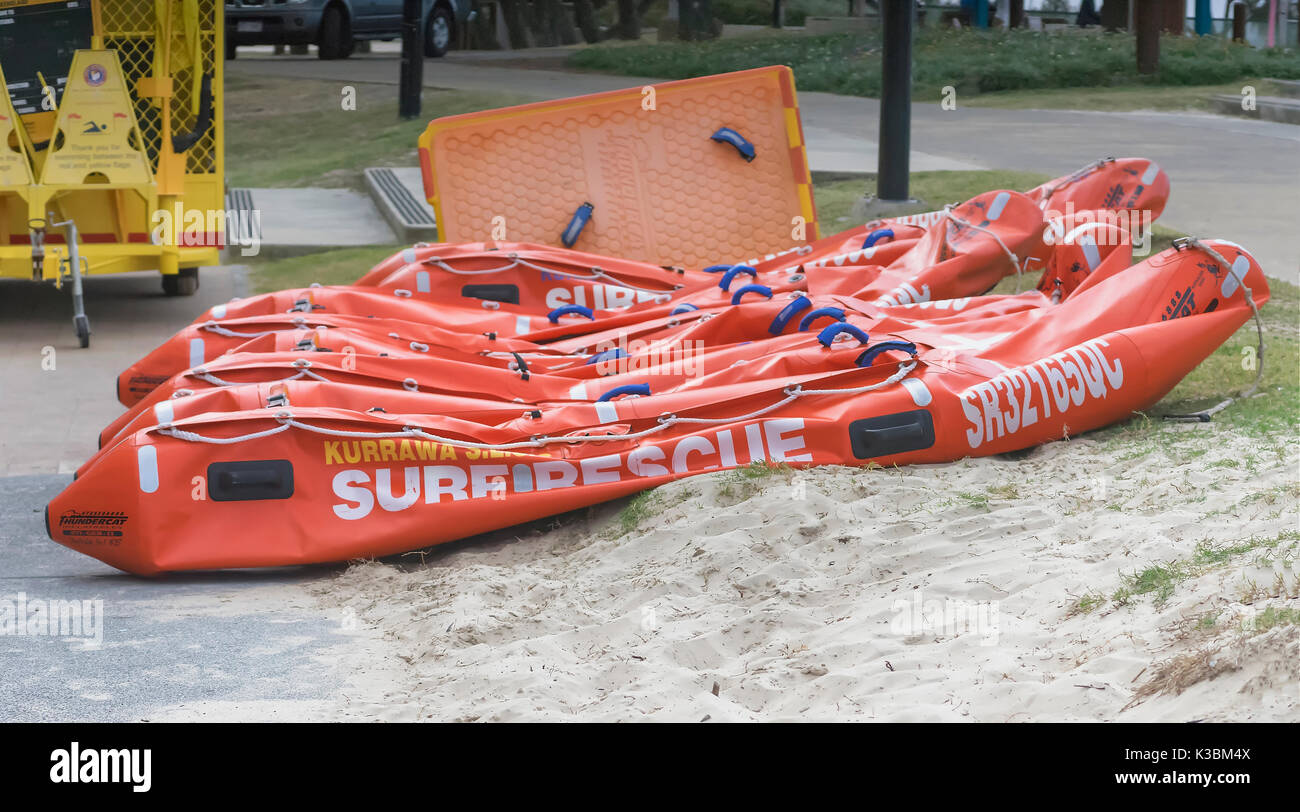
(212, 326)
(663, 422)
(303, 372)
(1204, 415)
(1015, 260)
(1075, 177)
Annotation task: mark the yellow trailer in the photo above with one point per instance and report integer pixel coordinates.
(110, 115)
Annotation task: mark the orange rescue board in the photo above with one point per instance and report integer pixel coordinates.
(660, 187)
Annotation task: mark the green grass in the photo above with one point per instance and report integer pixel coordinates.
(979, 501)
(341, 266)
(1274, 411)
(740, 484)
(1275, 616)
(1087, 603)
(295, 132)
(836, 193)
(1008, 490)
(640, 508)
(644, 506)
(972, 62)
(1160, 580)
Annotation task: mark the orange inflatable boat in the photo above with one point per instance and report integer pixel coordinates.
(262, 458)
(475, 298)
(461, 387)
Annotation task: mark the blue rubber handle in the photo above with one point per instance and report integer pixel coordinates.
(807, 320)
(576, 224)
(726, 135)
(865, 359)
(828, 335)
(733, 272)
(788, 312)
(685, 307)
(555, 314)
(763, 289)
(876, 236)
(717, 268)
(626, 389)
(607, 355)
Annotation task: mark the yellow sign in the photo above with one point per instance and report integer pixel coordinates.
(95, 138)
(15, 169)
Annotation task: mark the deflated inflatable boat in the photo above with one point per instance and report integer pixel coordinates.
(462, 388)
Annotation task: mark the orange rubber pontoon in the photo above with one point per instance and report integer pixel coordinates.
(257, 479)
(540, 294)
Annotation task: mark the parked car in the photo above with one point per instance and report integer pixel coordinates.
(334, 26)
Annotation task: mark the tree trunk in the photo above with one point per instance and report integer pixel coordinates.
(561, 25)
(539, 25)
(1147, 19)
(1175, 16)
(696, 20)
(1016, 14)
(586, 17)
(629, 24)
(516, 23)
(1114, 15)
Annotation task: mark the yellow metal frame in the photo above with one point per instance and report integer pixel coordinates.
(118, 224)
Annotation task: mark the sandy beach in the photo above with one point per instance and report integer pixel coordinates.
(1119, 576)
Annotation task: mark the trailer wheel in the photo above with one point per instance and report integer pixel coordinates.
(185, 283)
(83, 330)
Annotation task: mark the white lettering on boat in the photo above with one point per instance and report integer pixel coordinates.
(904, 294)
(1020, 397)
(598, 297)
(396, 489)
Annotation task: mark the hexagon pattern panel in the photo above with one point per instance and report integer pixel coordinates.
(661, 187)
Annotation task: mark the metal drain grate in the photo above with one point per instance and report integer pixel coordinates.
(242, 227)
(410, 217)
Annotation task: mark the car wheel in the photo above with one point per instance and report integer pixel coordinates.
(437, 32)
(335, 37)
(232, 50)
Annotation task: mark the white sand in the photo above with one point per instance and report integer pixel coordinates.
(795, 601)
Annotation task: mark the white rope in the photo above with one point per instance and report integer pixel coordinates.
(214, 327)
(203, 375)
(181, 434)
(1015, 260)
(1074, 177)
(664, 422)
(1204, 415)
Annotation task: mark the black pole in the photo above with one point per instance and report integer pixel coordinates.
(895, 101)
(412, 75)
